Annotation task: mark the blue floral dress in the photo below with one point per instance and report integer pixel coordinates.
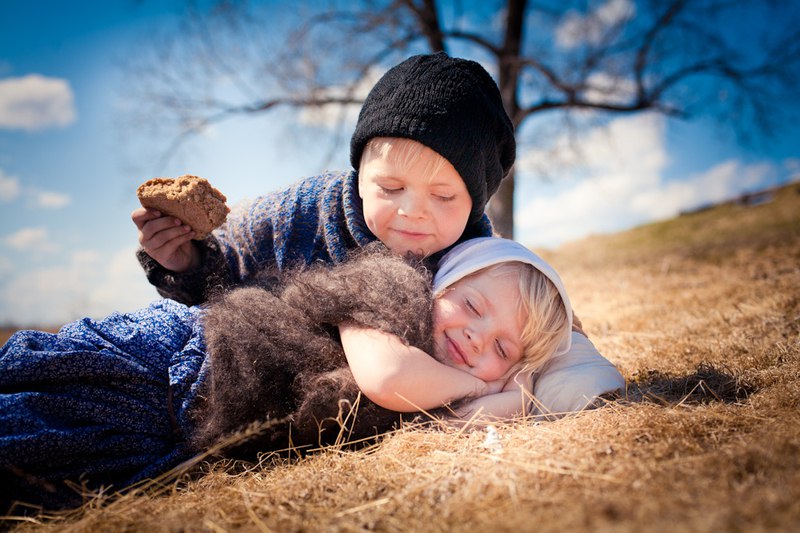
(101, 402)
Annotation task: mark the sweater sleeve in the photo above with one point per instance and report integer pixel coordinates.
(316, 219)
(228, 256)
(192, 287)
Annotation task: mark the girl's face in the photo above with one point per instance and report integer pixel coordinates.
(478, 325)
(419, 206)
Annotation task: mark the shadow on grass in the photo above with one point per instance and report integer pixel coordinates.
(708, 383)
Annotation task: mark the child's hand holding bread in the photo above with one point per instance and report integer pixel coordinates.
(173, 212)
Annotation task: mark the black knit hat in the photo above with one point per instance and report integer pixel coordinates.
(450, 105)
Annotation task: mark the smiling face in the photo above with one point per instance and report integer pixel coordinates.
(413, 198)
(478, 325)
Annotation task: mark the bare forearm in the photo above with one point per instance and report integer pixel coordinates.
(403, 378)
(514, 400)
(503, 405)
(420, 383)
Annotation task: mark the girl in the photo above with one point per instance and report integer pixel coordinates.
(116, 401)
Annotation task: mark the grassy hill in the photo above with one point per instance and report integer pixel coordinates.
(710, 235)
(702, 316)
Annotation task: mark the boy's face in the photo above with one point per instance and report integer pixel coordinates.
(477, 326)
(415, 206)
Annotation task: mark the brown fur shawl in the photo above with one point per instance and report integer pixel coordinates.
(276, 354)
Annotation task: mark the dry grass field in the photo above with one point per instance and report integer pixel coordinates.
(702, 316)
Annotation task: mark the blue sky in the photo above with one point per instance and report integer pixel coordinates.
(69, 169)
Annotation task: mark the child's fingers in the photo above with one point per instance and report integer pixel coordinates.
(165, 231)
(143, 215)
(151, 229)
(175, 254)
(495, 386)
(165, 238)
(171, 246)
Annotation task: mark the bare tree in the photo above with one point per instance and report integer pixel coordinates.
(682, 58)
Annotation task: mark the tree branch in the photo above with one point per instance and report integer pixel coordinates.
(428, 20)
(641, 62)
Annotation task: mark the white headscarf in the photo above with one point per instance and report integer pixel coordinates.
(475, 254)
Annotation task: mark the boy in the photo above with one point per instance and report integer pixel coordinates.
(443, 113)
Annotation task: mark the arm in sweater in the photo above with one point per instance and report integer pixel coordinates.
(275, 230)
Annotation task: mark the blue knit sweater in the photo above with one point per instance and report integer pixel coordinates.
(104, 401)
(317, 219)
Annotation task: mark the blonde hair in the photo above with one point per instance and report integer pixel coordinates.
(403, 153)
(538, 300)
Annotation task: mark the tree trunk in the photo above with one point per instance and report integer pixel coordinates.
(501, 206)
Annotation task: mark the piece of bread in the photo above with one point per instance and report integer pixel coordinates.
(191, 199)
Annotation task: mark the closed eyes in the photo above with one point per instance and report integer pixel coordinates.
(439, 197)
(501, 351)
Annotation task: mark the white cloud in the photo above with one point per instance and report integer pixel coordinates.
(122, 285)
(721, 182)
(9, 187)
(792, 167)
(6, 266)
(605, 88)
(622, 185)
(34, 102)
(635, 141)
(578, 28)
(328, 116)
(89, 284)
(51, 200)
(34, 239)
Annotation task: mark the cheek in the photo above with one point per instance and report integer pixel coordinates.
(376, 211)
(453, 219)
(494, 367)
(439, 316)
(463, 211)
(444, 313)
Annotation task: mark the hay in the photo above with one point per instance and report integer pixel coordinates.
(707, 437)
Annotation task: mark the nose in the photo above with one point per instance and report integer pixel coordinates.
(412, 206)
(475, 338)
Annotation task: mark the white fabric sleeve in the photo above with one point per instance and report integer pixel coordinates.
(573, 381)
